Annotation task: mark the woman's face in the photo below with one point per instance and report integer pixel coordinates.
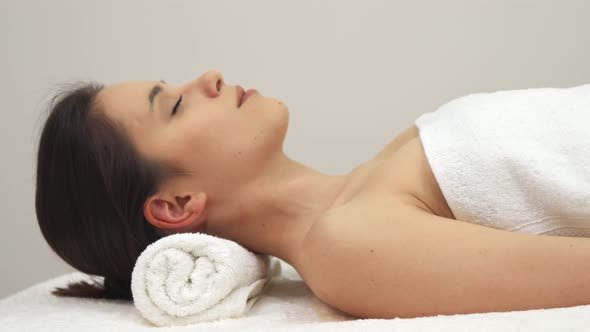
(210, 134)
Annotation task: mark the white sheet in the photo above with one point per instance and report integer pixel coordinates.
(287, 304)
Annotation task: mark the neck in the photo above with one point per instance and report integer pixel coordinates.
(273, 213)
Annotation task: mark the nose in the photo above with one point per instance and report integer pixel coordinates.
(209, 83)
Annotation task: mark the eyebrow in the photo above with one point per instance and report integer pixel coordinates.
(153, 93)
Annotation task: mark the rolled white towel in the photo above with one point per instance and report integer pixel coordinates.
(188, 278)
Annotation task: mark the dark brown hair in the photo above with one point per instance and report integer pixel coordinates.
(90, 190)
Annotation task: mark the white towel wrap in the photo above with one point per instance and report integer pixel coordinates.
(516, 160)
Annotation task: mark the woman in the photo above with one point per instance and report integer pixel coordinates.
(121, 166)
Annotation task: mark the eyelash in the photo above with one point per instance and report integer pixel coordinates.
(176, 105)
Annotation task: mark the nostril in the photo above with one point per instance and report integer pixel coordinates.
(219, 82)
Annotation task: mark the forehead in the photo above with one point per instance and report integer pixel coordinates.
(128, 105)
(127, 95)
(127, 102)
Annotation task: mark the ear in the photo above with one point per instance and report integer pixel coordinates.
(183, 213)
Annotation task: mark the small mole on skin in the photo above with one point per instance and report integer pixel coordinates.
(371, 250)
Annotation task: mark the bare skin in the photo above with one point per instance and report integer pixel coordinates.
(378, 242)
(391, 247)
(239, 185)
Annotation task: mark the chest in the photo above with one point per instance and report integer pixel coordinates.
(398, 178)
(401, 171)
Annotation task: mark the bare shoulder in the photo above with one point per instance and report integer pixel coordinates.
(374, 261)
(364, 217)
(349, 252)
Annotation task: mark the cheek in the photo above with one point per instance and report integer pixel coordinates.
(179, 155)
(205, 132)
(174, 147)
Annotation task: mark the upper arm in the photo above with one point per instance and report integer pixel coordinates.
(417, 264)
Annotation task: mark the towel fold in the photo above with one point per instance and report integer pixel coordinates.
(515, 160)
(188, 278)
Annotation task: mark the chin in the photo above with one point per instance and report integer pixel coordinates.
(273, 105)
(280, 104)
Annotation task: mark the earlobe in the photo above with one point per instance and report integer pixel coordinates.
(180, 213)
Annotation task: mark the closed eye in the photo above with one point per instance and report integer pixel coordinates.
(176, 105)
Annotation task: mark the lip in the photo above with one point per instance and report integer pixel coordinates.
(242, 96)
(239, 93)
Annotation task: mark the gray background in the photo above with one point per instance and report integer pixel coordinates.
(353, 73)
